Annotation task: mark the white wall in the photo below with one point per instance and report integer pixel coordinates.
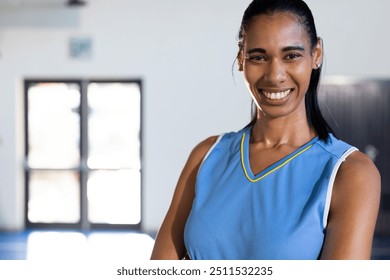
(183, 51)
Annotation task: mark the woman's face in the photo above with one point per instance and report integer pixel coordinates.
(277, 60)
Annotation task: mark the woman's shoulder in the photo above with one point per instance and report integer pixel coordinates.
(359, 168)
(201, 149)
(199, 152)
(358, 180)
(204, 146)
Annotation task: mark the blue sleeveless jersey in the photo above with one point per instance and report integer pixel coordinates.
(280, 213)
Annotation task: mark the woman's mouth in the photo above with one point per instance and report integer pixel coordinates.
(276, 95)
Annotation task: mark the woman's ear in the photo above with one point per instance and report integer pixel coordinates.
(240, 60)
(318, 54)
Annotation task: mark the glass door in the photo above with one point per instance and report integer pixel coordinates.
(83, 153)
(53, 153)
(114, 180)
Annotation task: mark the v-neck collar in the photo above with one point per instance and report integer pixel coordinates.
(244, 151)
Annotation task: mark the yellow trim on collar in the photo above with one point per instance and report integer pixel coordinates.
(271, 171)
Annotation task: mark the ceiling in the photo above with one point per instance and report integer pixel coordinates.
(39, 3)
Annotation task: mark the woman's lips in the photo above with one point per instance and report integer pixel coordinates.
(276, 95)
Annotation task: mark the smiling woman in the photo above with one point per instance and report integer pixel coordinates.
(284, 187)
(277, 62)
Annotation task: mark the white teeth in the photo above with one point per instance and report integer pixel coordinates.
(276, 95)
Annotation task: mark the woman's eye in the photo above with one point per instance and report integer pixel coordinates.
(292, 56)
(256, 57)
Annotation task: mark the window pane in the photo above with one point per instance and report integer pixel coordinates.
(53, 125)
(54, 197)
(114, 197)
(114, 125)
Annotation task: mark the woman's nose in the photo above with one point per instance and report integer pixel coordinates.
(275, 73)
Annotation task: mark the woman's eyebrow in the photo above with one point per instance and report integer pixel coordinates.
(285, 49)
(256, 50)
(293, 48)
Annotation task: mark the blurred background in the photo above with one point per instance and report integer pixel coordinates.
(101, 101)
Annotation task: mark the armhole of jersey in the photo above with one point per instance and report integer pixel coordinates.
(210, 150)
(331, 182)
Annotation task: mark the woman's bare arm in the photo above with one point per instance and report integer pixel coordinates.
(353, 210)
(170, 238)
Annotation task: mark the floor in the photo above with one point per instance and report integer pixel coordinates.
(63, 245)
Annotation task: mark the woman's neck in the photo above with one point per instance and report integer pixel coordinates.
(293, 129)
